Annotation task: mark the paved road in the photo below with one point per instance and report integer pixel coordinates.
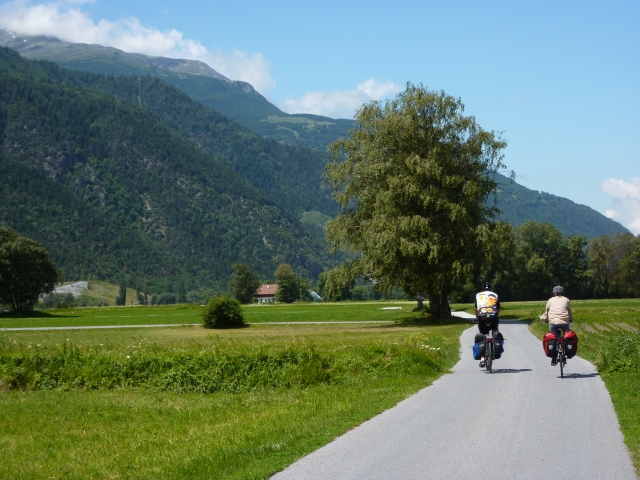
(521, 422)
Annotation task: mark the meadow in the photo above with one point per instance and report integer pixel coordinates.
(131, 403)
(191, 314)
(186, 402)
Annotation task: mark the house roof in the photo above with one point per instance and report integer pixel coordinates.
(268, 290)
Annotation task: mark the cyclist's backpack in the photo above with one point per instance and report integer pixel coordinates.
(479, 346)
(550, 344)
(499, 345)
(570, 344)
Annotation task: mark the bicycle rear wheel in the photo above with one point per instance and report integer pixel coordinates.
(561, 362)
(490, 357)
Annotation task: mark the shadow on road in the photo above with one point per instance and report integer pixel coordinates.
(581, 375)
(512, 370)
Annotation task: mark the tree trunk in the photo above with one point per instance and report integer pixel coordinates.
(439, 304)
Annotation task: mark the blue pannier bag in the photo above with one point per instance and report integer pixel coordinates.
(479, 346)
(476, 352)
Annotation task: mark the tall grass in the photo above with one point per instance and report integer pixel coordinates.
(208, 369)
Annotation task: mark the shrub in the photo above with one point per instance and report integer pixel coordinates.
(223, 312)
(58, 300)
(166, 299)
(620, 353)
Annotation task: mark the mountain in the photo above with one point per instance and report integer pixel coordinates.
(101, 181)
(236, 100)
(292, 176)
(519, 204)
(287, 176)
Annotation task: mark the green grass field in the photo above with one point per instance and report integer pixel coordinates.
(190, 314)
(124, 403)
(121, 403)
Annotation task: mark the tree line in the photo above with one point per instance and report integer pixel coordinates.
(534, 257)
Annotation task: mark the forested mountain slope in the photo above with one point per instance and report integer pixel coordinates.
(292, 176)
(85, 241)
(235, 99)
(519, 204)
(131, 173)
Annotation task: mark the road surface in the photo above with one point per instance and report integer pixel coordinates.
(521, 422)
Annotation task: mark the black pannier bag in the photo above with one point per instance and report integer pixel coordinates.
(498, 345)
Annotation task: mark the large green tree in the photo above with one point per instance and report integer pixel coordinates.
(413, 180)
(26, 271)
(243, 282)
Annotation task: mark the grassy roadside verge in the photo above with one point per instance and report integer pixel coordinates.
(609, 333)
(145, 430)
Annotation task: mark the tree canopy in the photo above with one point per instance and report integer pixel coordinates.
(26, 271)
(243, 282)
(413, 181)
(291, 287)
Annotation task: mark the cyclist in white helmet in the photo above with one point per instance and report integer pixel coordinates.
(487, 310)
(558, 313)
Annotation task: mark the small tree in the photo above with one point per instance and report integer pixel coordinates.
(288, 284)
(243, 282)
(336, 284)
(223, 312)
(121, 299)
(26, 271)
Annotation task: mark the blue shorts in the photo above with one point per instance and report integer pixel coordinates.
(555, 329)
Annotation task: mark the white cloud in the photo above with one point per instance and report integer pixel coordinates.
(340, 103)
(66, 21)
(626, 198)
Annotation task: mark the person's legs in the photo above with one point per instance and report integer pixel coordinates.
(484, 328)
(555, 329)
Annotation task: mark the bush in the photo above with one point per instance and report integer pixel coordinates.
(620, 353)
(166, 299)
(223, 312)
(58, 300)
(84, 301)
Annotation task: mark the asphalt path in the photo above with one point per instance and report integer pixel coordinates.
(521, 422)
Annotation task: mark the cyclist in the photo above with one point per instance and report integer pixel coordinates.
(487, 310)
(558, 314)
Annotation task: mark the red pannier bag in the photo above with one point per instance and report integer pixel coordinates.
(550, 344)
(570, 343)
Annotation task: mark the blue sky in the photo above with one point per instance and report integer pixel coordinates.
(560, 79)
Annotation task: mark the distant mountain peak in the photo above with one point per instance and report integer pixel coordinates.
(46, 47)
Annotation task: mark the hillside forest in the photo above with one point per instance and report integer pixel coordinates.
(129, 179)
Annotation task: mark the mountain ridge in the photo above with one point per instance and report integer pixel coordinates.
(235, 99)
